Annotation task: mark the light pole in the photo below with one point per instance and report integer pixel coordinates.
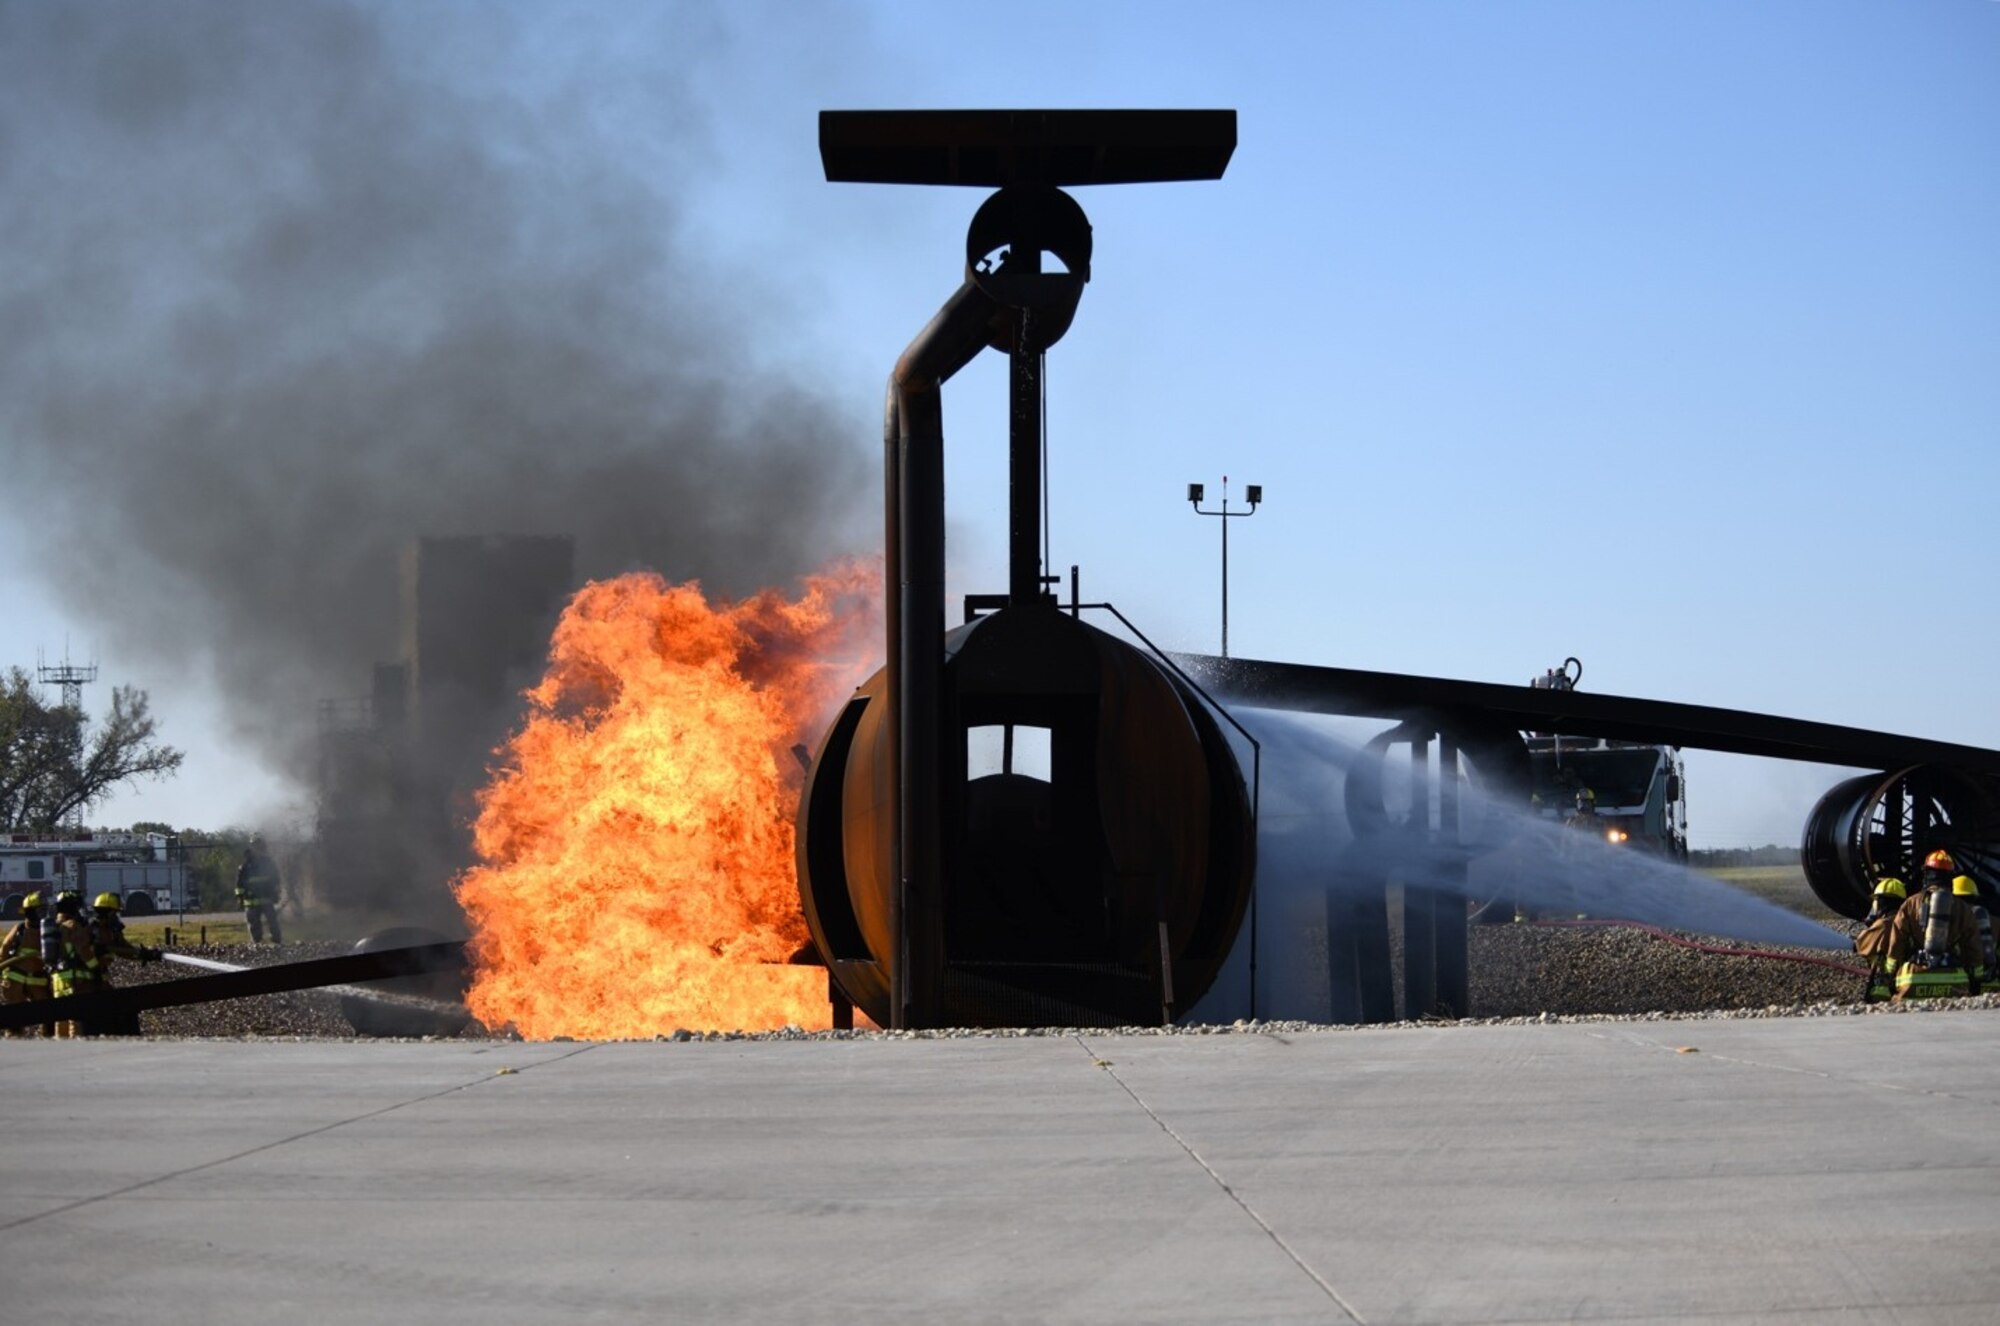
(1255, 493)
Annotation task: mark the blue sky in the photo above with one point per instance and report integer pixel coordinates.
(1663, 335)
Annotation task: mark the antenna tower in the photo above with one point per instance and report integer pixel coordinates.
(70, 676)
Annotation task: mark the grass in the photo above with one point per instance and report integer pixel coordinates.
(229, 928)
(1759, 874)
(1783, 885)
(152, 931)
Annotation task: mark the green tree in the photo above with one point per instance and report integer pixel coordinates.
(54, 766)
(212, 859)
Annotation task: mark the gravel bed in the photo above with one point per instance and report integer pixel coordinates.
(1520, 973)
(1277, 1027)
(1521, 970)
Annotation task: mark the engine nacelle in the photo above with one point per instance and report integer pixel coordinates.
(1883, 823)
(1106, 893)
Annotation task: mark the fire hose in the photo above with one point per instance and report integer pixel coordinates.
(224, 981)
(345, 991)
(1725, 950)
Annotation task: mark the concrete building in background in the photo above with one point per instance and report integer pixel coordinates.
(476, 618)
(359, 855)
(400, 768)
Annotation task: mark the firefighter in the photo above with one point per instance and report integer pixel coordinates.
(24, 977)
(1963, 887)
(1934, 941)
(1585, 816)
(77, 966)
(257, 883)
(1872, 943)
(107, 932)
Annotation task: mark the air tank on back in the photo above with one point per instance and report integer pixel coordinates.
(1103, 888)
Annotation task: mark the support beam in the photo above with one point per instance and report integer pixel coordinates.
(1024, 452)
(1360, 982)
(1302, 688)
(1454, 976)
(1419, 904)
(1378, 986)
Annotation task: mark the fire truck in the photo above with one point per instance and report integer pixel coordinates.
(1631, 793)
(148, 871)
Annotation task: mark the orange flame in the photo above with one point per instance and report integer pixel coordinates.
(636, 839)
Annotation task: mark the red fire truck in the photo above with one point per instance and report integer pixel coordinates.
(148, 871)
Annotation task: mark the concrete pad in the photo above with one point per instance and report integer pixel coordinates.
(1594, 1171)
(1793, 1169)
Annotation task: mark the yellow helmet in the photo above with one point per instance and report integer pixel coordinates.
(1963, 887)
(1891, 887)
(1940, 860)
(32, 902)
(106, 900)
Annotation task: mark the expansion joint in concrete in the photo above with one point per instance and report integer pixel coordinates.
(1111, 1071)
(273, 1145)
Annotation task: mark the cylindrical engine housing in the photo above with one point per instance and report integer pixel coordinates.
(1103, 889)
(1880, 824)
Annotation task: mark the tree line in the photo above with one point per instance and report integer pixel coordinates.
(1710, 858)
(212, 856)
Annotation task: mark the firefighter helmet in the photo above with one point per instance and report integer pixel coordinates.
(106, 901)
(1890, 887)
(32, 903)
(1963, 887)
(1940, 860)
(69, 900)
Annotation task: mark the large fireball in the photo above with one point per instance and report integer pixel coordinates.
(637, 867)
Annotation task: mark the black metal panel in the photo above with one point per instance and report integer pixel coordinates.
(1360, 981)
(994, 148)
(348, 969)
(1304, 688)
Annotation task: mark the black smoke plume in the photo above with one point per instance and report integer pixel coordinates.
(282, 291)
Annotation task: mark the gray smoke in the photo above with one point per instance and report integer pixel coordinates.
(282, 291)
